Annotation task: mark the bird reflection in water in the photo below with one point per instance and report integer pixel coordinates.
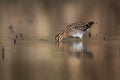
(76, 49)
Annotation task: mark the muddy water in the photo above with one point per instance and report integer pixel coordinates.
(67, 60)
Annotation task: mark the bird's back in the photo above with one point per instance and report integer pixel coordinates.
(82, 26)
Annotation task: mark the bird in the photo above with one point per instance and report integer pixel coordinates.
(75, 30)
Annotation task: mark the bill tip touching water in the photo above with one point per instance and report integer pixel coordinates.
(75, 30)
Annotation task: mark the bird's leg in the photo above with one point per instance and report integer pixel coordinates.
(89, 34)
(81, 39)
(77, 39)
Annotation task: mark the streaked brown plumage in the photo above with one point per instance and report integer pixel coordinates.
(74, 30)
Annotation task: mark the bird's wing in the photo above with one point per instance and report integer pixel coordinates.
(82, 26)
(74, 25)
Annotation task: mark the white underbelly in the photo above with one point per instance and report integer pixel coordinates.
(78, 34)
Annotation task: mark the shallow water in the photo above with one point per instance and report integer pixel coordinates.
(67, 60)
(28, 50)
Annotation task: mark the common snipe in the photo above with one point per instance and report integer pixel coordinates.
(75, 30)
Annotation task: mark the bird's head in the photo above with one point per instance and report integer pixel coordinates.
(59, 37)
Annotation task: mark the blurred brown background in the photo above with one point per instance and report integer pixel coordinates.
(45, 18)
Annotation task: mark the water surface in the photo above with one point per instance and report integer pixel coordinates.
(67, 60)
